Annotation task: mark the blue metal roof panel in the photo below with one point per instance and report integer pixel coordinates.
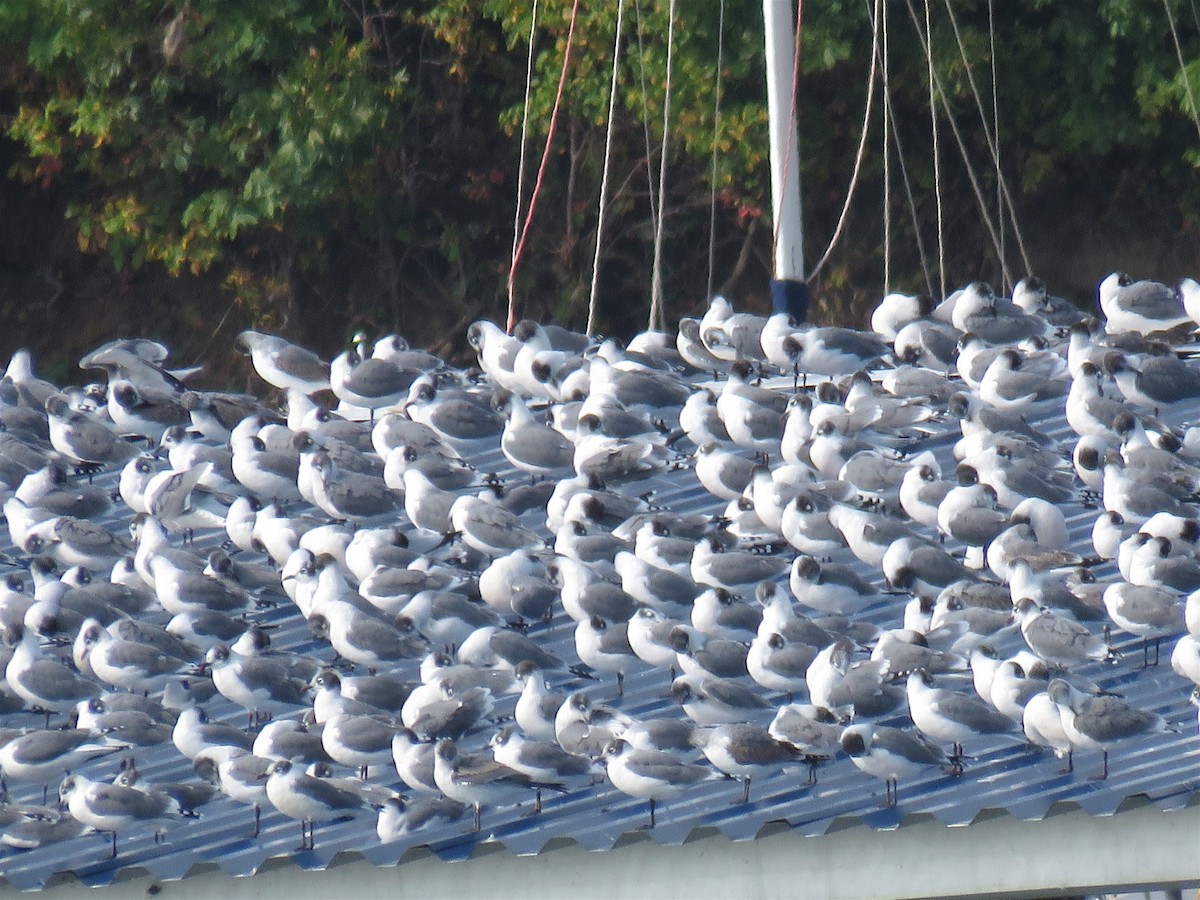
(1001, 774)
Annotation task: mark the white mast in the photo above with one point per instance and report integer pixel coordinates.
(785, 154)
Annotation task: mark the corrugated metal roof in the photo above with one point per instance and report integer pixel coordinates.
(1001, 775)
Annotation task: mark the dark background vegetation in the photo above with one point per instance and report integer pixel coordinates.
(312, 167)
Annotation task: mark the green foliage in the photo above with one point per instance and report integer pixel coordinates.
(278, 144)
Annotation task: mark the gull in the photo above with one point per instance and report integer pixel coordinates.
(398, 816)
(731, 336)
(41, 681)
(996, 320)
(41, 755)
(390, 589)
(868, 535)
(692, 348)
(612, 459)
(650, 638)
(733, 570)
(719, 613)
(829, 587)
(289, 739)
(194, 733)
(542, 762)
(1185, 658)
(655, 544)
(1097, 723)
(414, 763)
(533, 446)
(215, 415)
(129, 664)
(447, 617)
(604, 645)
(369, 382)
(834, 683)
(649, 774)
(1145, 307)
(778, 664)
(1006, 385)
(833, 352)
(742, 751)
(585, 593)
(1031, 295)
(890, 754)
(1147, 611)
(497, 353)
(171, 498)
(662, 589)
(537, 706)
(475, 779)
(911, 564)
(120, 727)
(717, 701)
(269, 474)
(806, 526)
(1043, 727)
(905, 651)
(395, 430)
(456, 416)
(240, 776)
(359, 694)
(516, 582)
(84, 440)
(1159, 383)
(76, 542)
(259, 684)
(364, 639)
(51, 490)
(700, 420)
(488, 528)
(721, 471)
(702, 656)
(492, 646)
(112, 807)
(590, 545)
(367, 548)
(927, 343)
(812, 731)
(1058, 640)
(309, 800)
(181, 589)
(426, 504)
(347, 495)
(142, 411)
(360, 741)
(1012, 689)
(284, 365)
(896, 310)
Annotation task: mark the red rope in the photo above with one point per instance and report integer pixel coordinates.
(537, 185)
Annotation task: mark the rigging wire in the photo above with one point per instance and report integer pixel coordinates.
(712, 206)
(541, 174)
(862, 145)
(524, 145)
(937, 164)
(996, 132)
(908, 190)
(962, 146)
(608, 136)
(637, 5)
(656, 289)
(792, 131)
(1187, 83)
(887, 173)
(993, 141)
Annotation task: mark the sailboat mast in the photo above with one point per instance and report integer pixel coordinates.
(789, 291)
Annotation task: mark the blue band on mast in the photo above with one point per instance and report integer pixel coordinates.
(791, 297)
